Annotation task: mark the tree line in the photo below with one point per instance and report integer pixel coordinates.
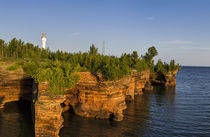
(47, 65)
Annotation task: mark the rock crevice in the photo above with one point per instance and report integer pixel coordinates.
(92, 96)
(104, 99)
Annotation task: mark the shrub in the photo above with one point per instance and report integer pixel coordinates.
(12, 67)
(59, 75)
(142, 65)
(165, 68)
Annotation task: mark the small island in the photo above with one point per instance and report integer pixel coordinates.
(89, 83)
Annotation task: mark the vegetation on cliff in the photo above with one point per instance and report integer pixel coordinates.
(60, 75)
(165, 68)
(59, 68)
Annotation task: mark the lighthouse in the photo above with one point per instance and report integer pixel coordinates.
(44, 39)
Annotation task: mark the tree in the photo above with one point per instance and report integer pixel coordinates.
(173, 66)
(142, 65)
(93, 50)
(151, 53)
(14, 47)
(135, 58)
(160, 67)
(3, 48)
(2, 42)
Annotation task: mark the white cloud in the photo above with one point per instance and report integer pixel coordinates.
(195, 48)
(75, 33)
(150, 18)
(181, 42)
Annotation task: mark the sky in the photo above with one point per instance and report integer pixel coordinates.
(179, 29)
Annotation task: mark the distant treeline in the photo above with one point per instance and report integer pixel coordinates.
(41, 64)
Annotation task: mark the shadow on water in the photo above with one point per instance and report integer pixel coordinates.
(1, 100)
(79, 126)
(162, 112)
(164, 95)
(15, 120)
(138, 118)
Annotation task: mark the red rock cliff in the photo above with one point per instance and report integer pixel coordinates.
(93, 97)
(14, 86)
(171, 79)
(168, 80)
(48, 113)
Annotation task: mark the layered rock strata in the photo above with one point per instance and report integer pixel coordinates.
(48, 112)
(140, 81)
(93, 97)
(90, 97)
(168, 80)
(46, 109)
(14, 86)
(171, 79)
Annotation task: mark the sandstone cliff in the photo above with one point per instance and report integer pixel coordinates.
(47, 112)
(93, 97)
(14, 86)
(171, 79)
(167, 80)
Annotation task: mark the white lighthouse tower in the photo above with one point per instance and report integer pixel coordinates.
(44, 39)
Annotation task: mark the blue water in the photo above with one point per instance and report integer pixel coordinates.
(180, 111)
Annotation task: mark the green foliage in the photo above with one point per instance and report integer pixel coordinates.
(142, 65)
(31, 68)
(59, 75)
(151, 53)
(160, 67)
(93, 50)
(13, 67)
(173, 66)
(112, 67)
(165, 68)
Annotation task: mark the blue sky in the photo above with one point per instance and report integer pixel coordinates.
(180, 29)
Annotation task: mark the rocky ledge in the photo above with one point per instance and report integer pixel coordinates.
(167, 80)
(94, 97)
(14, 86)
(48, 118)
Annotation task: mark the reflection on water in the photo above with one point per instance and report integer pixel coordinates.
(138, 120)
(15, 120)
(180, 111)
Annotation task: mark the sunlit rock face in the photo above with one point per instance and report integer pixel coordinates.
(140, 81)
(171, 79)
(168, 80)
(94, 97)
(47, 112)
(14, 86)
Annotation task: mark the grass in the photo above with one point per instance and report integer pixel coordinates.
(13, 67)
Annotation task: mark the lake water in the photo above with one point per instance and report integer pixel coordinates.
(182, 111)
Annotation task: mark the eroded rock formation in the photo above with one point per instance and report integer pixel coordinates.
(171, 79)
(14, 86)
(140, 81)
(167, 80)
(93, 97)
(46, 109)
(48, 112)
